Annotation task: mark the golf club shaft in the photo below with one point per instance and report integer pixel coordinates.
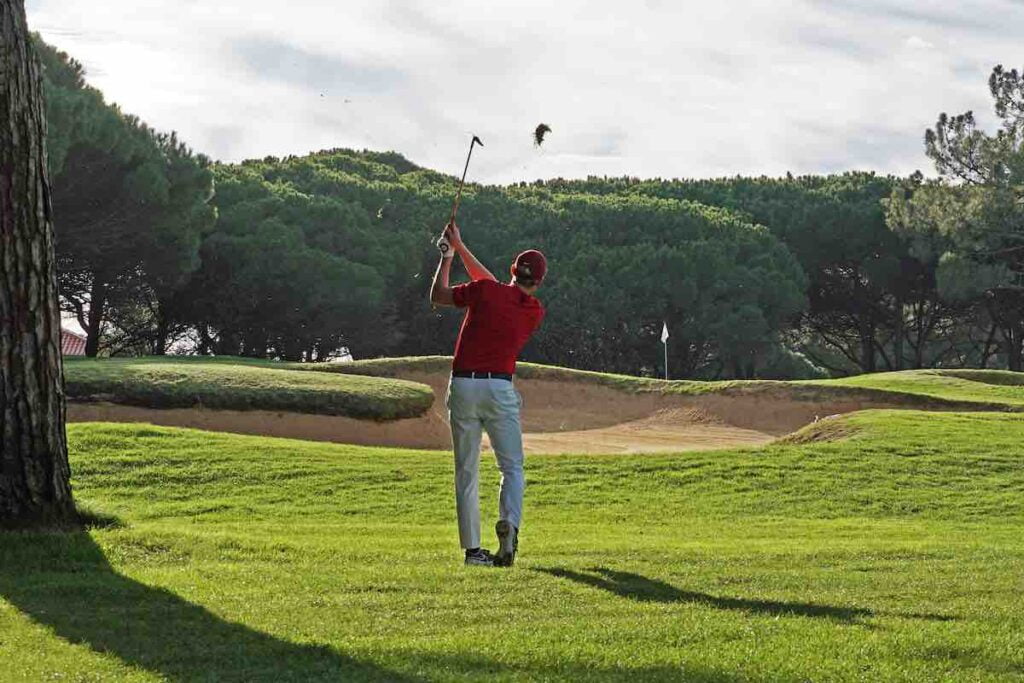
(458, 195)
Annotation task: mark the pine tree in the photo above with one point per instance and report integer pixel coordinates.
(34, 471)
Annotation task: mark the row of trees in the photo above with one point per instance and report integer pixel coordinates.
(902, 273)
(968, 224)
(340, 244)
(133, 206)
(299, 258)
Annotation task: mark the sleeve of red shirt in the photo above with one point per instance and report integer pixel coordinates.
(469, 293)
(540, 319)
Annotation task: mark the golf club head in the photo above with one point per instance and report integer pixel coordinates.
(477, 141)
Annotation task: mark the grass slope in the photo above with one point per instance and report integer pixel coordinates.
(892, 554)
(396, 367)
(241, 384)
(967, 386)
(371, 388)
(921, 388)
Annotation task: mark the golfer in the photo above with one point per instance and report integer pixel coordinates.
(481, 396)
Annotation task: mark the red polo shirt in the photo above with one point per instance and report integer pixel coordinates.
(499, 321)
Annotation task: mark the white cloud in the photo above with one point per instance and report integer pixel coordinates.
(658, 89)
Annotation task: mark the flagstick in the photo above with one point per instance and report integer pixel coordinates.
(664, 340)
(666, 358)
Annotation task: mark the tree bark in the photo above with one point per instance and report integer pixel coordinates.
(35, 484)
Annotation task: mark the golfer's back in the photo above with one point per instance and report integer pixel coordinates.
(498, 323)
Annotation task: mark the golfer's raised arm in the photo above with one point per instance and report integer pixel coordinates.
(476, 270)
(440, 292)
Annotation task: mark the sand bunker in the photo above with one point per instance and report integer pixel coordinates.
(558, 417)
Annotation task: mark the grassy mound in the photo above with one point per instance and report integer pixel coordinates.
(398, 367)
(831, 428)
(894, 554)
(918, 388)
(999, 377)
(241, 384)
(990, 387)
(374, 388)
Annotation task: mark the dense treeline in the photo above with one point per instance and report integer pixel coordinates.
(334, 249)
(133, 206)
(871, 304)
(304, 257)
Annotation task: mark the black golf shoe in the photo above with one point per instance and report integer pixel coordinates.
(479, 558)
(508, 544)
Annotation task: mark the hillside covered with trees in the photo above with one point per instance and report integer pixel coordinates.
(162, 250)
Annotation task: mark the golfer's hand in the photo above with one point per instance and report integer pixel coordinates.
(445, 246)
(451, 231)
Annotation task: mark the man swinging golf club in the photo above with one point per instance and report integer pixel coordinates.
(499, 320)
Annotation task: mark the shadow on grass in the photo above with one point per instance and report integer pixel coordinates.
(63, 581)
(465, 666)
(637, 587)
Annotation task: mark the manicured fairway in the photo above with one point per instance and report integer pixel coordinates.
(896, 554)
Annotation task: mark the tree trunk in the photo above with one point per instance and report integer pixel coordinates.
(867, 347)
(162, 332)
(986, 353)
(1014, 340)
(227, 344)
(207, 344)
(920, 335)
(97, 304)
(290, 350)
(34, 473)
(160, 344)
(898, 332)
(254, 344)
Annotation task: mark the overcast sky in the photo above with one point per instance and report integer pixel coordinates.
(644, 88)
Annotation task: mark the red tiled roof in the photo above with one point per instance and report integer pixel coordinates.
(72, 343)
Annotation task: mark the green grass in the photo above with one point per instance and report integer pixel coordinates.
(242, 384)
(1002, 377)
(893, 554)
(969, 386)
(396, 367)
(371, 388)
(920, 388)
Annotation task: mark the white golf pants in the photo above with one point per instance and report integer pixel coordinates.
(473, 406)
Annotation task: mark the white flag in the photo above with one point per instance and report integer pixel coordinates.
(664, 332)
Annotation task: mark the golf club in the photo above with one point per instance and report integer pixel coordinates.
(458, 195)
(442, 243)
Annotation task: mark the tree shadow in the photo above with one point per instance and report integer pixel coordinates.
(637, 587)
(65, 582)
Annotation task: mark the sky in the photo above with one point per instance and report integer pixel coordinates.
(647, 88)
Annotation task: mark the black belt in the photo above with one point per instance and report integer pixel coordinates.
(482, 375)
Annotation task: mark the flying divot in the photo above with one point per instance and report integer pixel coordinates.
(539, 132)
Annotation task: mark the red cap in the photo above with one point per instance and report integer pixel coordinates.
(530, 265)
